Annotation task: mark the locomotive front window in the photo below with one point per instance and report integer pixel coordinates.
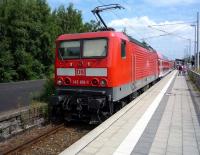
(69, 49)
(95, 48)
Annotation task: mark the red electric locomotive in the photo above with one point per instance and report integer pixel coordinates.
(94, 71)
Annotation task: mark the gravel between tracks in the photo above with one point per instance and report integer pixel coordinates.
(54, 144)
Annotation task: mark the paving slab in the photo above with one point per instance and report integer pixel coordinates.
(181, 122)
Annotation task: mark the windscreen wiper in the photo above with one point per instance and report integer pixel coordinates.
(60, 54)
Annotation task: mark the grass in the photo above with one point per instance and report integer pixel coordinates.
(48, 90)
(192, 79)
(41, 106)
(41, 101)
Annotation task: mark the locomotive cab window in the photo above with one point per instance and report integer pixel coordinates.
(69, 50)
(95, 48)
(123, 49)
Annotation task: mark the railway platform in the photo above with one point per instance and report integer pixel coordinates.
(163, 120)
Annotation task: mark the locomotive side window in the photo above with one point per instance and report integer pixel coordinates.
(123, 49)
(95, 48)
(69, 49)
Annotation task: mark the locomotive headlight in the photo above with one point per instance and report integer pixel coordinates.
(103, 83)
(59, 82)
(95, 82)
(67, 81)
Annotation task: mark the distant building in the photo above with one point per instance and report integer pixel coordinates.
(179, 61)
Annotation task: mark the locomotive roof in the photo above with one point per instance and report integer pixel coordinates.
(142, 44)
(91, 35)
(104, 34)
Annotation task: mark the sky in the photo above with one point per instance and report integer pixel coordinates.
(164, 24)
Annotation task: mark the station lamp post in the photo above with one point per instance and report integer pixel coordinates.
(195, 45)
(196, 42)
(189, 50)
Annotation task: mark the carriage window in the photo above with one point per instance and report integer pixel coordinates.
(69, 49)
(123, 49)
(95, 48)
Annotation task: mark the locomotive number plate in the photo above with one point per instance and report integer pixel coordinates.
(80, 72)
(80, 82)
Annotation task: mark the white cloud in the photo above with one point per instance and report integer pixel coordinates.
(170, 45)
(171, 2)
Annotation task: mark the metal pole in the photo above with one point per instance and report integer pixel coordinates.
(198, 40)
(185, 53)
(195, 45)
(189, 48)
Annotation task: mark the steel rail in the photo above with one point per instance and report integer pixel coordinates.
(28, 143)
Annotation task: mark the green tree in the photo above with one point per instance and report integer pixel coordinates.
(28, 30)
(6, 58)
(69, 19)
(30, 38)
(92, 26)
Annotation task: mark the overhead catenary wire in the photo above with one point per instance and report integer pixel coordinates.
(126, 23)
(129, 5)
(165, 34)
(141, 37)
(174, 23)
(155, 36)
(170, 33)
(189, 21)
(175, 35)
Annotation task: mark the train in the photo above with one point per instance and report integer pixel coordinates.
(97, 73)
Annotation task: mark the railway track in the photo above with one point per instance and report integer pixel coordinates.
(30, 142)
(53, 141)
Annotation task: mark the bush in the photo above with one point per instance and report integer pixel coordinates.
(48, 90)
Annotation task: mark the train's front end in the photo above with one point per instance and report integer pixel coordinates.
(82, 77)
